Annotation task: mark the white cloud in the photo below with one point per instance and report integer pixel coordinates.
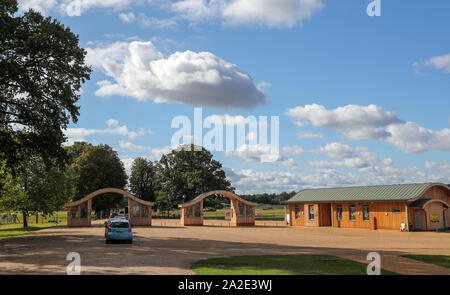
(357, 121)
(112, 122)
(150, 21)
(294, 150)
(251, 181)
(387, 162)
(271, 13)
(335, 150)
(412, 138)
(347, 163)
(73, 7)
(441, 167)
(372, 123)
(131, 146)
(262, 154)
(436, 62)
(302, 135)
(147, 21)
(154, 154)
(44, 6)
(140, 71)
(127, 17)
(127, 163)
(79, 134)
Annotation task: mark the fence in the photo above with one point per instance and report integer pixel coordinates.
(17, 218)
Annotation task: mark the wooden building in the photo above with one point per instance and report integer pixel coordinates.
(422, 206)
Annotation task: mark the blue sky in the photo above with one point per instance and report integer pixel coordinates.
(373, 92)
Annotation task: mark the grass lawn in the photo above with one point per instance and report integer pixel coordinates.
(281, 265)
(271, 214)
(442, 260)
(14, 230)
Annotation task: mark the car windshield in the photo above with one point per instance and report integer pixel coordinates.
(120, 224)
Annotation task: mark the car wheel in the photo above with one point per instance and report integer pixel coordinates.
(107, 241)
(130, 241)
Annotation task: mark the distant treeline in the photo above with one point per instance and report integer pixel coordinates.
(273, 199)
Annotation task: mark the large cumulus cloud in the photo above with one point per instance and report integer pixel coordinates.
(138, 70)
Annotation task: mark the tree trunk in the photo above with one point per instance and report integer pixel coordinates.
(25, 221)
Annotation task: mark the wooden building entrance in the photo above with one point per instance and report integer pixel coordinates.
(79, 212)
(242, 212)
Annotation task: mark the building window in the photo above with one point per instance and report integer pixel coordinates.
(297, 212)
(144, 211)
(352, 212)
(248, 211)
(397, 211)
(241, 209)
(339, 212)
(73, 212)
(83, 211)
(197, 212)
(311, 212)
(366, 213)
(135, 209)
(189, 211)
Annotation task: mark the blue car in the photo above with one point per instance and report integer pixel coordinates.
(118, 230)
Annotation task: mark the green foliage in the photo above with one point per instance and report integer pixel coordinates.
(42, 70)
(265, 198)
(95, 168)
(142, 180)
(163, 202)
(35, 187)
(184, 173)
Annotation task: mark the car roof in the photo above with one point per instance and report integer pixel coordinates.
(119, 220)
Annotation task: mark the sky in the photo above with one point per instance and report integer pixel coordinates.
(361, 100)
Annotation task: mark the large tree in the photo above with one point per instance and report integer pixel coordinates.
(142, 179)
(41, 72)
(34, 188)
(185, 173)
(98, 167)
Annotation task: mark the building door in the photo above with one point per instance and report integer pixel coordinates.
(418, 219)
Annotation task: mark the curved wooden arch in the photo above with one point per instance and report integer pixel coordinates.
(109, 190)
(224, 193)
(440, 185)
(436, 200)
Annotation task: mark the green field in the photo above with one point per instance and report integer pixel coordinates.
(14, 230)
(281, 265)
(269, 214)
(442, 260)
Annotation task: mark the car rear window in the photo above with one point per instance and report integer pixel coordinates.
(119, 224)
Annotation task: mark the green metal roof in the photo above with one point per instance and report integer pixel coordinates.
(396, 192)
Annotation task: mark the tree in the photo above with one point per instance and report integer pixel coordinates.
(184, 174)
(142, 180)
(163, 202)
(41, 72)
(34, 188)
(75, 150)
(98, 167)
